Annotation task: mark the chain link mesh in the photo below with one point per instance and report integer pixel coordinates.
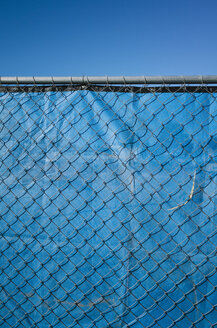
(108, 206)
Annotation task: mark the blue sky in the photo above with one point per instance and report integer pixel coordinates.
(108, 37)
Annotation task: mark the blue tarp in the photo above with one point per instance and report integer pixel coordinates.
(108, 209)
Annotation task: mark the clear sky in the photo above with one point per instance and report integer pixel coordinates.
(108, 37)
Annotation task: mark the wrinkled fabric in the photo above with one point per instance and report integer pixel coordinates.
(108, 209)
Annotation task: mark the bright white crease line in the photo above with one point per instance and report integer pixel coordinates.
(189, 197)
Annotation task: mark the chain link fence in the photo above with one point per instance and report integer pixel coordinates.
(108, 202)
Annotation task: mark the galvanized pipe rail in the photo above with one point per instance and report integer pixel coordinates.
(86, 80)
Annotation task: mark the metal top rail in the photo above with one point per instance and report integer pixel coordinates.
(194, 79)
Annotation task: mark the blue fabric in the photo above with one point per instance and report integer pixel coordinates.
(108, 209)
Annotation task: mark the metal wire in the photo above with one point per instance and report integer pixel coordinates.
(108, 201)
